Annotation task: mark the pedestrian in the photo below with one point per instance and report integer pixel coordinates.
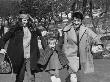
(23, 47)
(53, 58)
(76, 45)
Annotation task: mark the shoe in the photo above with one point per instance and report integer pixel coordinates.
(54, 79)
(73, 78)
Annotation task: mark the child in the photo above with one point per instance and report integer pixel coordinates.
(52, 58)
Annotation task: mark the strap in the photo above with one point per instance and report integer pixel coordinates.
(82, 35)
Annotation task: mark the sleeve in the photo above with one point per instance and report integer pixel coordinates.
(62, 57)
(43, 41)
(94, 36)
(45, 56)
(38, 32)
(60, 43)
(6, 37)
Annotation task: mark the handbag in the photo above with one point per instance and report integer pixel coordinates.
(5, 64)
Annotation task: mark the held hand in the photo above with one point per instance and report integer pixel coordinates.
(3, 51)
(44, 33)
(60, 31)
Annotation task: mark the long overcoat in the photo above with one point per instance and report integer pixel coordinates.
(85, 36)
(15, 47)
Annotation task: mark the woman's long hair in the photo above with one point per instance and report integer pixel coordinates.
(29, 24)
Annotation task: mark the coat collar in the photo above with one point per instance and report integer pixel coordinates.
(68, 27)
(82, 30)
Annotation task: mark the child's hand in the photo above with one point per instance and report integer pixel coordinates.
(44, 33)
(60, 31)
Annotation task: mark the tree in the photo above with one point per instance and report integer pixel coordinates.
(8, 7)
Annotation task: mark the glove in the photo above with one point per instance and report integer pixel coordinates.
(3, 51)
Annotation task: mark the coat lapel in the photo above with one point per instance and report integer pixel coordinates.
(73, 35)
(70, 33)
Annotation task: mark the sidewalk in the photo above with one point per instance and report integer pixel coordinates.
(101, 74)
(40, 77)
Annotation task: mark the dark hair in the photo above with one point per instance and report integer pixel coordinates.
(78, 15)
(22, 12)
(29, 24)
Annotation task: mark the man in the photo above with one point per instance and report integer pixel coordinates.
(23, 47)
(76, 41)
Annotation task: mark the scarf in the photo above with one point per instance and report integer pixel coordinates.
(26, 42)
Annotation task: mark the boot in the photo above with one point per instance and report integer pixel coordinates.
(58, 80)
(54, 79)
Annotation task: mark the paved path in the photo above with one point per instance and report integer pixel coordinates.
(102, 74)
(40, 77)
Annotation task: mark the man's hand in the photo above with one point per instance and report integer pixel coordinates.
(3, 51)
(96, 49)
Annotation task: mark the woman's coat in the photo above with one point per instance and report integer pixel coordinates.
(15, 47)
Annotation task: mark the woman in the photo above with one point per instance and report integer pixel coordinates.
(23, 46)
